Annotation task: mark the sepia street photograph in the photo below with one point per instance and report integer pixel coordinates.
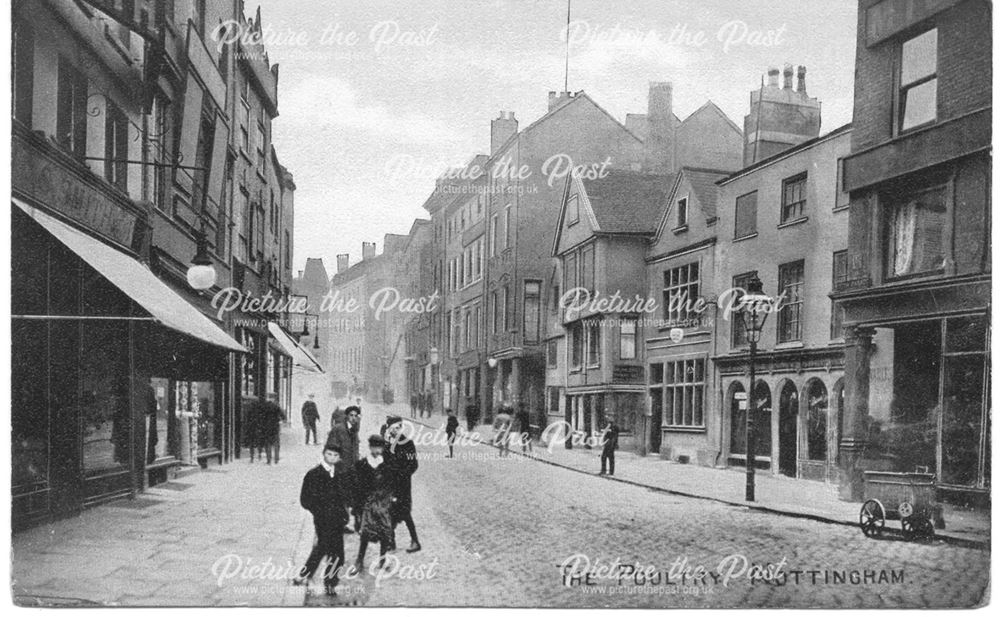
(501, 304)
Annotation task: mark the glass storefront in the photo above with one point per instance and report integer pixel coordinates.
(928, 393)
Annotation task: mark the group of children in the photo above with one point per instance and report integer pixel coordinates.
(376, 489)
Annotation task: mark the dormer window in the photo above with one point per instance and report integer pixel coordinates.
(682, 212)
(918, 81)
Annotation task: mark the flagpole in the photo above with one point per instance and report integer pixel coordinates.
(566, 74)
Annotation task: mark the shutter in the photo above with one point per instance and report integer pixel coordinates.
(190, 126)
(217, 170)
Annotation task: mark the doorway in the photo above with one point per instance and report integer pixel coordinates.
(788, 425)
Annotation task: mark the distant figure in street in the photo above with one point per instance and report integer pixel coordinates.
(414, 403)
(373, 499)
(471, 414)
(401, 456)
(524, 427)
(502, 425)
(271, 418)
(310, 416)
(609, 442)
(429, 403)
(450, 429)
(325, 497)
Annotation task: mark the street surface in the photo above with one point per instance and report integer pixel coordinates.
(495, 532)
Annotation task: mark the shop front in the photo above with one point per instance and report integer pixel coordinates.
(91, 326)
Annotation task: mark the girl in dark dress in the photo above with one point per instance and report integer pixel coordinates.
(373, 499)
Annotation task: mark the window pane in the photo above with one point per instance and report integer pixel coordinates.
(963, 417)
(919, 57)
(916, 228)
(966, 334)
(746, 215)
(920, 104)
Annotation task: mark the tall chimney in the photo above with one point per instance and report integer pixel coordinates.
(501, 130)
(801, 87)
(343, 262)
(367, 250)
(788, 77)
(659, 143)
(772, 77)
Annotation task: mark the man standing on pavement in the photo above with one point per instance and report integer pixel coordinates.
(325, 497)
(272, 416)
(429, 403)
(401, 456)
(609, 442)
(414, 403)
(310, 416)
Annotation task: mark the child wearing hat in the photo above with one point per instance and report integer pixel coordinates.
(373, 499)
(325, 496)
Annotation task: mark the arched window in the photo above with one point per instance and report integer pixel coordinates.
(818, 406)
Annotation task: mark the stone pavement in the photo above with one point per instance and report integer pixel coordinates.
(168, 546)
(775, 493)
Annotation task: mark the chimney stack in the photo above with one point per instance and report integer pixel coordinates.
(501, 130)
(659, 142)
(367, 250)
(558, 98)
(772, 77)
(343, 262)
(801, 87)
(788, 77)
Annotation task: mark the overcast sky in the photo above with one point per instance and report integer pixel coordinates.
(376, 98)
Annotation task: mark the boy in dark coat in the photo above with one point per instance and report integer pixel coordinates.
(373, 499)
(401, 456)
(325, 497)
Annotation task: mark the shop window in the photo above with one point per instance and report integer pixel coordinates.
(965, 411)
(681, 288)
(918, 80)
(762, 418)
(626, 339)
(746, 215)
(71, 109)
(791, 279)
(915, 229)
(793, 198)
(818, 404)
(684, 393)
(29, 406)
(105, 405)
(737, 419)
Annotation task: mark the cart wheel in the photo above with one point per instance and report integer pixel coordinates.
(909, 525)
(917, 528)
(872, 518)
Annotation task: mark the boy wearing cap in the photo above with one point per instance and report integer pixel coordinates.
(401, 456)
(324, 496)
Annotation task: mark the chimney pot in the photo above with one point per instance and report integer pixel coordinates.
(772, 76)
(788, 77)
(802, 80)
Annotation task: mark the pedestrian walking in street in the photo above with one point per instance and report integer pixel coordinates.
(310, 416)
(450, 429)
(325, 497)
(502, 425)
(609, 443)
(414, 403)
(344, 434)
(471, 414)
(429, 403)
(524, 428)
(373, 499)
(271, 417)
(401, 456)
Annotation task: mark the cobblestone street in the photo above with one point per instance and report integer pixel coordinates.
(494, 532)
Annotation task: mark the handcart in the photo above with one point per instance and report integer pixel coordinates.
(910, 498)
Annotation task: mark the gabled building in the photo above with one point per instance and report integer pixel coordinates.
(916, 293)
(600, 243)
(679, 337)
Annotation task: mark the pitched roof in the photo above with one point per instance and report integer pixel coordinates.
(628, 201)
(702, 182)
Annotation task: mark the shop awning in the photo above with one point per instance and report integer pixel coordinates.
(299, 354)
(136, 280)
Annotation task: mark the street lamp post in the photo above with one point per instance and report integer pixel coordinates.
(754, 308)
